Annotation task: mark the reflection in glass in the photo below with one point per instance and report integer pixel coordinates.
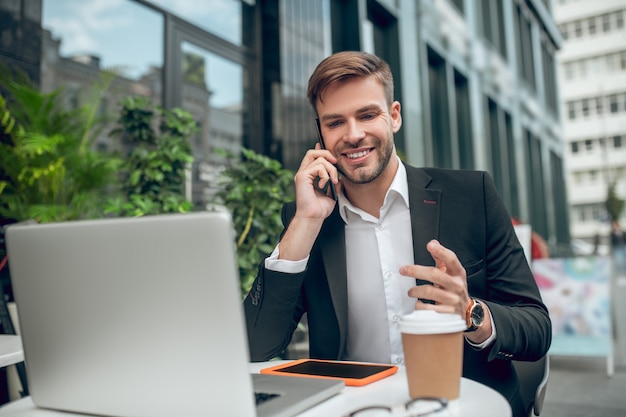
(212, 91)
(304, 41)
(220, 17)
(83, 39)
(115, 34)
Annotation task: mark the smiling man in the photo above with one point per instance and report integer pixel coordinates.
(358, 264)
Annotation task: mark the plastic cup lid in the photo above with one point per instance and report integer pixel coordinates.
(431, 322)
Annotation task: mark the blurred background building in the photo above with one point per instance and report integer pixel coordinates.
(592, 78)
(476, 78)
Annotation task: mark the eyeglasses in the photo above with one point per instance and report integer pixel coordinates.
(418, 407)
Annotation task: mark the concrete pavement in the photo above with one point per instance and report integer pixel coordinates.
(581, 388)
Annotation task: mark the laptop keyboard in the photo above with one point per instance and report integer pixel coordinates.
(261, 397)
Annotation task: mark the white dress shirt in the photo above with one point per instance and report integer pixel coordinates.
(377, 293)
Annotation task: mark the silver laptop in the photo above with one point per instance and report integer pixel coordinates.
(142, 317)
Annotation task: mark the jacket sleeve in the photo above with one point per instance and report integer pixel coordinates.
(273, 308)
(523, 326)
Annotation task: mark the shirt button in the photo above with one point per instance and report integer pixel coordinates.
(396, 318)
(387, 275)
(399, 361)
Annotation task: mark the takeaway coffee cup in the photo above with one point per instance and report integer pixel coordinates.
(433, 353)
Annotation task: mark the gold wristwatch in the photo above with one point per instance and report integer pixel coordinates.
(474, 315)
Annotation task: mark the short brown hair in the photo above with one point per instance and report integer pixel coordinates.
(346, 65)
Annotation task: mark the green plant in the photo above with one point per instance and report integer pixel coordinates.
(614, 204)
(48, 171)
(254, 190)
(154, 174)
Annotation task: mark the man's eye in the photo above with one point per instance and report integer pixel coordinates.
(368, 116)
(334, 124)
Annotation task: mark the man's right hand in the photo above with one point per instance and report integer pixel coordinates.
(312, 205)
(311, 202)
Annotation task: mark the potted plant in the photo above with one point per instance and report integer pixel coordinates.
(254, 189)
(153, 174)
(49, 171)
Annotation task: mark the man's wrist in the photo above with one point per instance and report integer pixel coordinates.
(484, 336)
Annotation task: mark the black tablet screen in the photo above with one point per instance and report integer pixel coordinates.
(335, 369)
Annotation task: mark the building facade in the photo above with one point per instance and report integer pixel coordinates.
(592, 73)
(476, 79)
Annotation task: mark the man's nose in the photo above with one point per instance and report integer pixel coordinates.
(354, 131)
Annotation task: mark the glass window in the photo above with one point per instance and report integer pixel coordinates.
(89, 35)
(588, 145)
(592, 25)
(440, 106)
(611, 62)
(212, 91)
(567, 68)
(571, 110)
(578, 28)
(564, 30)
(617, 142)
(596, 212)
(82, 39)
(613, 103)
(596, 64)
(585, 107)
(619, 19)
(577, 177)
(582, 68)
(599, 105)
(574, 147)
(221, 17)
(223, 78)
(606, 23)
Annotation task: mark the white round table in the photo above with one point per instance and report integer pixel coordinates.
(476, 399)
(10, 350)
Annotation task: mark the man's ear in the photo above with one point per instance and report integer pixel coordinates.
(396, 116)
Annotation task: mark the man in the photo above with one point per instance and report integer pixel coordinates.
(357, 265)
(618, 248)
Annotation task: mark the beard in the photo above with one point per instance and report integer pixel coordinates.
(359, 174)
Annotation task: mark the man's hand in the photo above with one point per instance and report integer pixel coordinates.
(312, 205)
(449, 290)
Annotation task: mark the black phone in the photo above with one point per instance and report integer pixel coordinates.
(333, 190)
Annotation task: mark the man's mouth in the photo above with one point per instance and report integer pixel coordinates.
(356, 155)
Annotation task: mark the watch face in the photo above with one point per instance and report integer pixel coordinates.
(478, 314)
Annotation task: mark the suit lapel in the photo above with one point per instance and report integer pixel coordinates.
(425, 206)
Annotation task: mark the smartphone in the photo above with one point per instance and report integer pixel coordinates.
(352, 373)
(333, 190)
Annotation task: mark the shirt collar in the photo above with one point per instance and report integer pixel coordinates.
(399, 186)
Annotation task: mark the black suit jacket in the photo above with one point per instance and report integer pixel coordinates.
(464, 212)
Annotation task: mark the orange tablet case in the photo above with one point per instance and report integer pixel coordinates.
(385, 371)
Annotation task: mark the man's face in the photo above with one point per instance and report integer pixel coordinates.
(358, 127)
